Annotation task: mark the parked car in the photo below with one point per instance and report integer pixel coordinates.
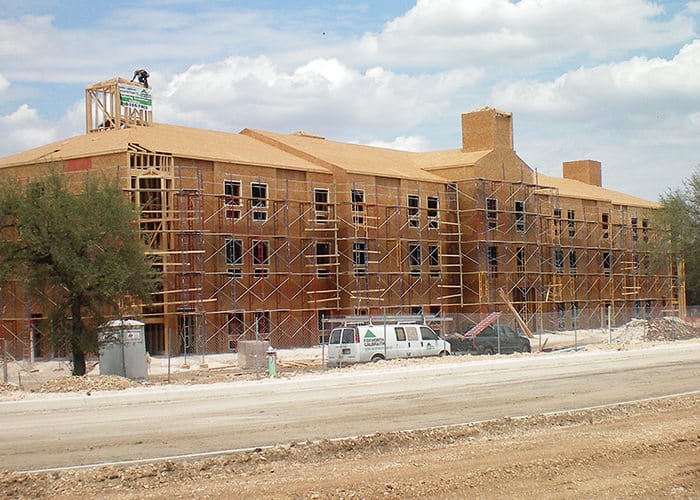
(495, 339)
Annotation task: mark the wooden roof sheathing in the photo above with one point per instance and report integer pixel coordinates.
(577, 189)
(179, 141)
(434, 160)
(354, 158)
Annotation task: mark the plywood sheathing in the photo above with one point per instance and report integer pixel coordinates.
(487, 129)
(178, 141)
(351, 158)
(587, 171)
(581, 190)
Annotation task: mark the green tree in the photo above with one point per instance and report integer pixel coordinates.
(680, 216)
(76, 245)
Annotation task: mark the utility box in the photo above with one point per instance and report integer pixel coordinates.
(123, 349)
(252, 353)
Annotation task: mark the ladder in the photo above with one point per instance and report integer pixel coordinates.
(483, 324)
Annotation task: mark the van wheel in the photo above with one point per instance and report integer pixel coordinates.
(377, 357)
(443, 353)
(488, 351)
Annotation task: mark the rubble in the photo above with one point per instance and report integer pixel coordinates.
(640, 331)
(669, 330)
(83, 384)
(7, 388)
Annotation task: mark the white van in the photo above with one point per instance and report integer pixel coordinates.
(362, 343)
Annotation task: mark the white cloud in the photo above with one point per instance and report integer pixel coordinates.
(24, 36)
(411, 143)
(638, 87)
(521, 35)
(322, 95)
(23, 129)
(4, 83)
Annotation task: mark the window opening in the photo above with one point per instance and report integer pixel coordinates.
(258, 194)
(323, 259)
(232, 198)
(559, 260)
(234, 252)
(413, 210)
(235, 329)
(520, 259)
(492, 213)
(573, 261)
(433, 206)
(520, 216)
(358, 207)
(604, 224)
(262, 320)
(414, 259)
(359, 258)
(571, 222)
(261, 257)
(557, 221)
(434, 260)
(493, 259)
(321, 206)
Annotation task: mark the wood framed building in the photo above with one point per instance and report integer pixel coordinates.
(267, 234)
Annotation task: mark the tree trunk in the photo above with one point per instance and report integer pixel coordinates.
(78, 362)
(77, 341)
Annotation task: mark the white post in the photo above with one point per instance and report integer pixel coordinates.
(257, 340)
(4, 360)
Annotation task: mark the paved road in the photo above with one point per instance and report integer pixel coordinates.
(150, 422)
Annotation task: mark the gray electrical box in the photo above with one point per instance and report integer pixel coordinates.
(123, 349)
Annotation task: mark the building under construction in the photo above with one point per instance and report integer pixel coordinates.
(267, 235)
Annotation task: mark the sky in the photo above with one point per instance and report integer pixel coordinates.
(617, 81)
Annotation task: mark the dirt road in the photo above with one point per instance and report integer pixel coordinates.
(638, 450)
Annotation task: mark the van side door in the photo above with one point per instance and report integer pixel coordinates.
(402, 350)
(414, 344)
(430, 341)
(342, 345)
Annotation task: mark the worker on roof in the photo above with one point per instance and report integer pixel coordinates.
(142, 75)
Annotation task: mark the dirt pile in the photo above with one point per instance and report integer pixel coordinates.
(639, 331)
(7, 388)
(669, 330)
(87, 384)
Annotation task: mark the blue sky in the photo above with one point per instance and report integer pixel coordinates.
(616, 81)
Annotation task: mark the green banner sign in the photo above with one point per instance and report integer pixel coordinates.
(135, 97)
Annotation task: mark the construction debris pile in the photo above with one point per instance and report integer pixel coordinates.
(640, 331)
(7, 388)
(82, 384)
(669, 330)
